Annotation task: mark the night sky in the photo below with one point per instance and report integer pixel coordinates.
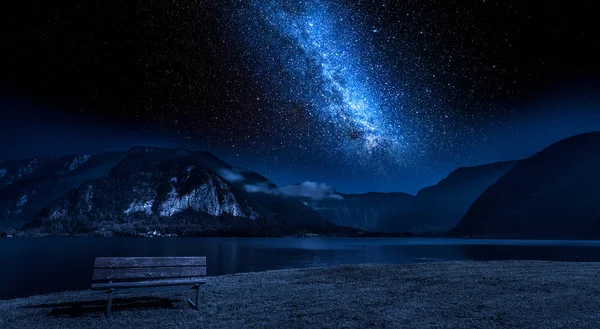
(362, 95)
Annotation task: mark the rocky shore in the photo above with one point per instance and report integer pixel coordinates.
(463, 294)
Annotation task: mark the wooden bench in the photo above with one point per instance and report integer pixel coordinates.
(116, 275)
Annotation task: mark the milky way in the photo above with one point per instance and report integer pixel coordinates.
(360, 94)
(383, 86)
(316, 46)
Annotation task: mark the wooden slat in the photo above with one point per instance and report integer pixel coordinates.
(148, 284)
(146, 289)
(112, 262)
(147, 273)
(153, 289)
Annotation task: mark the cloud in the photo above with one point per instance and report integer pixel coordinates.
(230, 175)
(260, 188)
(334, 196)
(312, 190)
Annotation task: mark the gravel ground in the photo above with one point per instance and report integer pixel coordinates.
(465, 294)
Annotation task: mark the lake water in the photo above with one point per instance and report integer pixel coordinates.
(30, 266)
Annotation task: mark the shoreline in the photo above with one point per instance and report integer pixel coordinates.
(455, 294)
(364, 234)
(447, 237)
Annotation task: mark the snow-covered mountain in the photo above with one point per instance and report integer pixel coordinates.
(145, 188)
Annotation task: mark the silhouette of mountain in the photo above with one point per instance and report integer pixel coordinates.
(438, 208)
(552, 194)
(364, 211)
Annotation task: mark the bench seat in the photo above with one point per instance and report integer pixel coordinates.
(149, 283)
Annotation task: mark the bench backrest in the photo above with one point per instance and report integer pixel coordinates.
(148, 268)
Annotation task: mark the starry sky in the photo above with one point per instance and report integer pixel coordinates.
(362, 95)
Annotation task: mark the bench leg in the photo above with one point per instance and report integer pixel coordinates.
(196, 305)
(198, 299)
(109, 306)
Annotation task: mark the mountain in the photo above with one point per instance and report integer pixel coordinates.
(276, 207)
(363, 211)
(552, 194)
(28, 185)
(145, 188)
(438, 208)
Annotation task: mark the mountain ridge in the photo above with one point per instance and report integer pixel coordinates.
(501, 199)
(555, 193)
(123, 166)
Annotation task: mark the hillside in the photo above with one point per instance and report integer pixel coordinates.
(438, 208)
(552, 194)
(143, 189)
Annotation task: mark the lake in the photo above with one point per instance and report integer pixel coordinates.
(30, 266)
